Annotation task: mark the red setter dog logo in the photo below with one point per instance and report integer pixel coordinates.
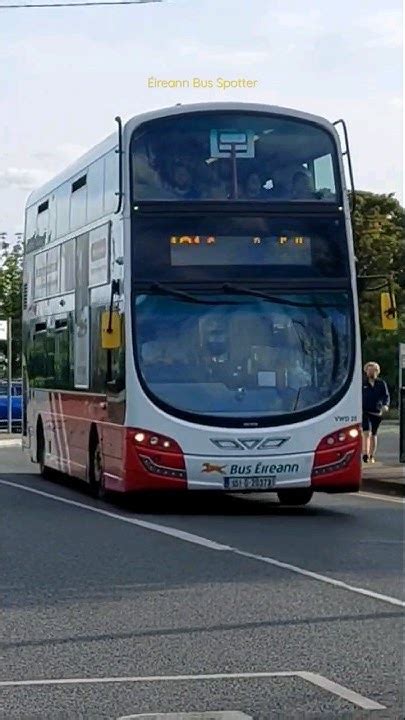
(209, 468)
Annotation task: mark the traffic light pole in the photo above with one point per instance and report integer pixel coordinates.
(402, 425)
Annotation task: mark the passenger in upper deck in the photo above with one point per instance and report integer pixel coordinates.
(276, 188)
(183, 182)
(253, 187)
(302, 186)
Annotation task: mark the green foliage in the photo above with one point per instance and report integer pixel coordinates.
(11, 283)
(383, 348)
(11, 303)
(378, 227)
(379, 239)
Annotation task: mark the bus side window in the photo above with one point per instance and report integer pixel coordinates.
(97, 354)
(62, 196)
(36, 360)
(63, 352)
(30, 225)
(43, 220)
(50, 379)
(117, 366)
(110, 181)
(95, 190)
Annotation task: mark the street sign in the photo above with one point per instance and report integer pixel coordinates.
(3, 329)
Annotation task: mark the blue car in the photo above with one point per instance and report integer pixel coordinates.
(16, 405)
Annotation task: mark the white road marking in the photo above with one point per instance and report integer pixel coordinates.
(211, 545)
(318, 680)
(145, 679)
(381, 542)
(376, 496)
(224, 715)
(340, 690)
(322, 578)
(9, 442)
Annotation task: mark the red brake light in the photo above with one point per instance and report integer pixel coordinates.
(147, 440)
(346, 436)
(159, 455)
(336, 451)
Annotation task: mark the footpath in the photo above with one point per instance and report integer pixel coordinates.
(8, 440)
(384, 478)
(387, 474)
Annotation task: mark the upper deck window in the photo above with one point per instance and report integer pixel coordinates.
(78, 203)
(239, 156)
(43, 207)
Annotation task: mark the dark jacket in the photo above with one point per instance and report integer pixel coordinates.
(375, 396)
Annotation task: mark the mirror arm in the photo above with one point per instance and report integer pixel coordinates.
(393, 310)
(386, 284)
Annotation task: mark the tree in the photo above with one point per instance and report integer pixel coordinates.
(10, 300)
(379, 239)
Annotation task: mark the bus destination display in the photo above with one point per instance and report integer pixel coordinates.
(239, 250)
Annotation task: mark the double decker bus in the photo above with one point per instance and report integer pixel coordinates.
(190, 308)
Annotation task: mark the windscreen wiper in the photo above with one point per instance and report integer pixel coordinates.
(297, 398)
(242, 290)
(181, 295)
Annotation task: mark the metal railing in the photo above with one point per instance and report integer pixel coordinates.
(10, 406)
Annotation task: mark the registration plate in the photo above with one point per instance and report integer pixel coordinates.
(249, 483)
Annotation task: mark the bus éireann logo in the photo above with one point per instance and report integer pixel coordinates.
(209, 468)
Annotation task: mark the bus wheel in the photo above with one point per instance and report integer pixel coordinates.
(43, 469)
(97, 487)
(299, 496)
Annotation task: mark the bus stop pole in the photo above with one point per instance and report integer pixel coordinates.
(9, 376)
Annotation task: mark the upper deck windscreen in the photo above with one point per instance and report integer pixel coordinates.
(233, 155)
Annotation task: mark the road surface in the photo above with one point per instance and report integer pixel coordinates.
(204, 604)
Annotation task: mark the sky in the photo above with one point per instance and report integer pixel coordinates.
(66, 73)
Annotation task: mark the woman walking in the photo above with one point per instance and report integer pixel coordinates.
(376, 400)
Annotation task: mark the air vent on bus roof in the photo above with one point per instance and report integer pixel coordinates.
(79, 183)
(43, 206)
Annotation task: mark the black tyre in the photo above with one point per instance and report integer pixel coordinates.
(43, 469)
(299, 496)
(97, 486)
